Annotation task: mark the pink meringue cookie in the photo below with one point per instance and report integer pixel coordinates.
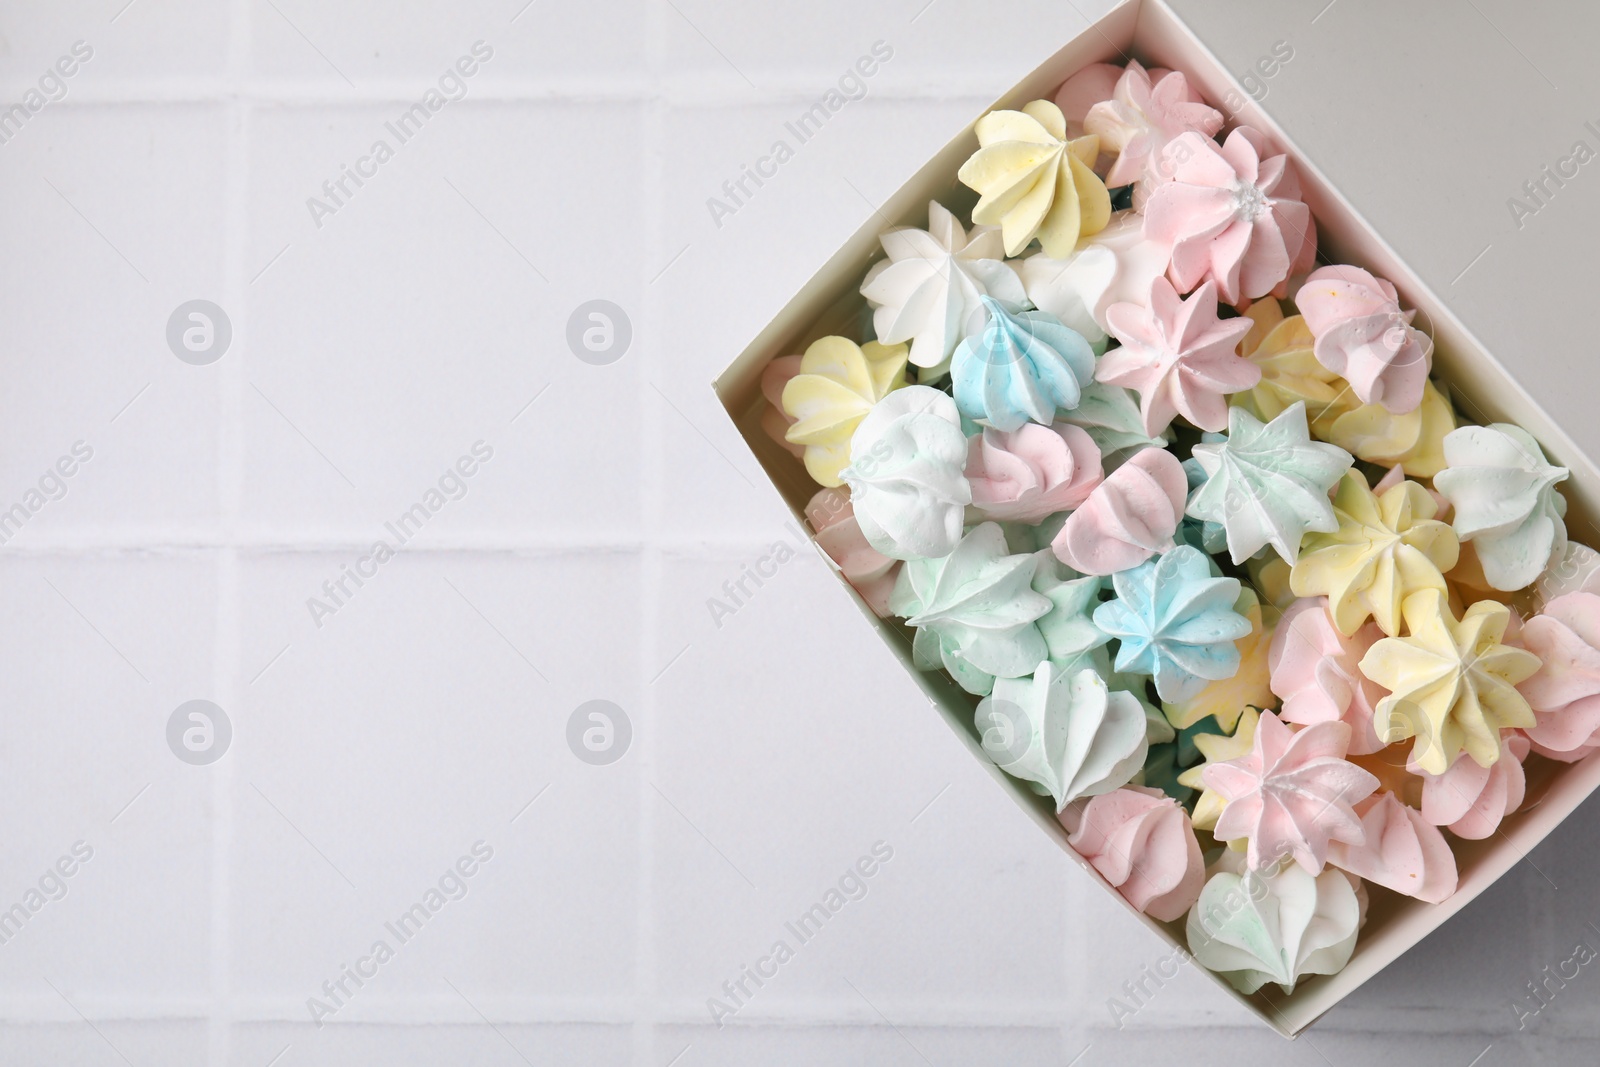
(1292, 795)
(869, 572)
(1143, 114)
(1315, 671)
(1141, 841)
(1128, 518)
(1230, 215)
(1403, 851)
(1084, 90)
(1362, 335)
(774, 420)
(1565, 692)
(1033, 472)
(1178, 356)
(1471, 800)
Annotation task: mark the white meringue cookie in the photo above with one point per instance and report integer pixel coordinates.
(1113, 266)
(1505, 499)
(907, 474)
(929, 290)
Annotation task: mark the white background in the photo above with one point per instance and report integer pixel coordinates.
(769, 753)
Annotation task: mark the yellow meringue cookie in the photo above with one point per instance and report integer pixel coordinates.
(1281, 347)
(1035, 182)
(1217, 748)
(838, 383)
(1452, 685)
(1225, 700)
(1386, 548)
(1413, 441)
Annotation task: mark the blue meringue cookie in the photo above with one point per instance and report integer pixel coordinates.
(1175, 622)
(1023, 366)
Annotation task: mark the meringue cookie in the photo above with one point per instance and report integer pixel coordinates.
(1178, 356)
(1111, 415)
(1176, 622)
(1128, 518)
(1565, 692)
(1362, 335)
(1069, 735)
(1414, 441)
(1225, 699)
(1403, 851)
(838, 383)
(1259, 926)
(1505, 499)
(1114, 266)
(1452, 685)
(869, 572)
(1068, 627)
(1315, 670)
(1231, 216)
(1471, 800)
(1032, 181)
(1142, 116)
(1032, 472)
(1085, 89)
(906, 478)
(1020, 367)
(1386, 548)
(930, 289)
(974, 611)
(774, 420)
(1292, 794)
(1268, 483)
(1218, 748)
(1142, 843)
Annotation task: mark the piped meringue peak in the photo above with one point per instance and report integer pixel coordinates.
(1034, 182)
(1231, 213)
(1129, 508)
(1178, 356)
(930, 290)
(1268, 483)
(1020, 367)
(1362, 335)
(1505, 501)
(1292, 794)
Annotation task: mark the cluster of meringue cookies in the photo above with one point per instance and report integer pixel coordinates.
(1233, 585)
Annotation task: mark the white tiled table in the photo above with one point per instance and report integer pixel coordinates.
(769, 752)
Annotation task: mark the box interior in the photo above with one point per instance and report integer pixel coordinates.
(1479, 386)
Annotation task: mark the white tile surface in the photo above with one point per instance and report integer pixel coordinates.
(431, 710)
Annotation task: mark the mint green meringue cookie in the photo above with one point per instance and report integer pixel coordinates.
(1255, 927)
(1267, 483)
(1505, 499)
(975, 611)
(1068, 735)
(1068, 627)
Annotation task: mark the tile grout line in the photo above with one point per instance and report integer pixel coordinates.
(651, 511)
(230, 475)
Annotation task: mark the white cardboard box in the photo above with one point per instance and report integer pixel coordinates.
(1481, 388)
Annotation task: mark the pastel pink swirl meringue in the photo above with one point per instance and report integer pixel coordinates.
(1178, 356)
(1403, 851)
(1471, 800)
(1231, 213)
(1565, 692)
(774, 420)
(1128, 518)
(1314, 670)
(1147, 109)
(1141, 841)
(1033, 472)
(869, 572)
(1293, 794)
(1362, 335)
